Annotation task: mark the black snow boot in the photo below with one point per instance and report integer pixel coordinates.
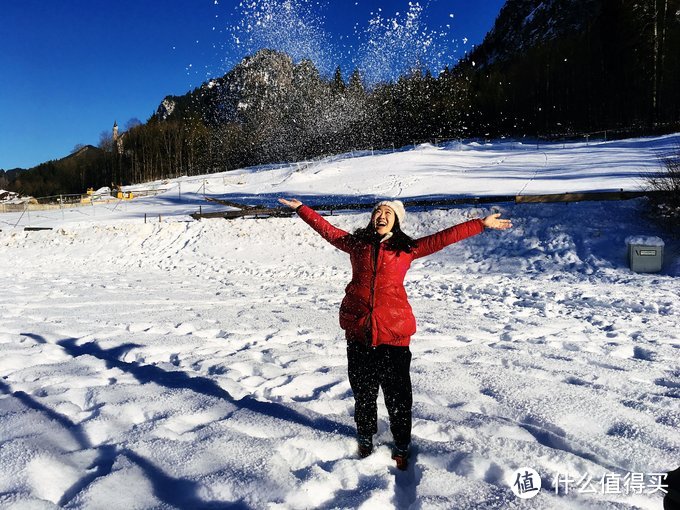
(401, 454)
(365, 446)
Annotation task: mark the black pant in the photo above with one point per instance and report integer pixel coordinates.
(387, 367)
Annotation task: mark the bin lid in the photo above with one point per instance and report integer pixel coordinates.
(645, 240)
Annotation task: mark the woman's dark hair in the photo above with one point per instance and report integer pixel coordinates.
(398, 242)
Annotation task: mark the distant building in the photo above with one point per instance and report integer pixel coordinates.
(7, 196)
(117, 139)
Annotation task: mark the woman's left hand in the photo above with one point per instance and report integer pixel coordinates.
(494, 221)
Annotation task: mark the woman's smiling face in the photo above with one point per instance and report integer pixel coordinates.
(383, 219)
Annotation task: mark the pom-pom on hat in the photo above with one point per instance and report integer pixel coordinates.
(397, 206)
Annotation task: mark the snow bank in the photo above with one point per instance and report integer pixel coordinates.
(200, 364)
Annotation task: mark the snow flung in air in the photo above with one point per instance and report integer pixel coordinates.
(392, 47)
(188, 364)
(290, 26)
(388, 45)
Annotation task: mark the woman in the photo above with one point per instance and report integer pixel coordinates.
(375, 313)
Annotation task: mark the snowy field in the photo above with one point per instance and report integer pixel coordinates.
(199, 364)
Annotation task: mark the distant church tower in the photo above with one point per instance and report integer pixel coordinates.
(117, 140)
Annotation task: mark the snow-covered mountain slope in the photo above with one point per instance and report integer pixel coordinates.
(452, 170)
(199, 364)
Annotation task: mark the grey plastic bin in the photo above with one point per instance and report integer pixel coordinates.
(645, 253)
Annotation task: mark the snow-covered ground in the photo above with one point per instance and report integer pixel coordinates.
(199, 364)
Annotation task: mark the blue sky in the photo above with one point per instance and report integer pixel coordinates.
(68, 69)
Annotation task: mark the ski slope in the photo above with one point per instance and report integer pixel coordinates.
(199, 364)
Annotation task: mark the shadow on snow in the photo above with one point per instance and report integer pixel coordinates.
(178, 492)
(177, 379)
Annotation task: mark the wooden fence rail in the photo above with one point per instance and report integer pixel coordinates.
(248, 210)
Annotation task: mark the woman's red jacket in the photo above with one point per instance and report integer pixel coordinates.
(375, 309)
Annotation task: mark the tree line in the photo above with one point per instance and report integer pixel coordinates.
(619, 68)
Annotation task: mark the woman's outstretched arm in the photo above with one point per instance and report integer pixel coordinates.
(435, 242)
(334, 235)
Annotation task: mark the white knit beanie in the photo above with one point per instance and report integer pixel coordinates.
(396, 206)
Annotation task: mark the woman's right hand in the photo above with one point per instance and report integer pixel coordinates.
(293, 203)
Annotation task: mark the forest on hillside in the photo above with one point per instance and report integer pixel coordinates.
(567, 70)
(613, 64)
